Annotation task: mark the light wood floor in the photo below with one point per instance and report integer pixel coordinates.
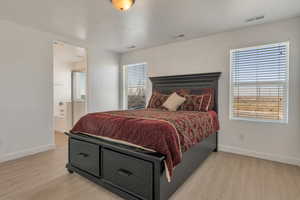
(222, 177)
(61, 140)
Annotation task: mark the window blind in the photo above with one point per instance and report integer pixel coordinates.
(136, 86)
(136, 75)
(259, 83)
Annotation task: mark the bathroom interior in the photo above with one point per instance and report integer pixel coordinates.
(70, 91)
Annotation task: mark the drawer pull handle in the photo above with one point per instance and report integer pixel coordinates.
(83, 155)
(124, 172)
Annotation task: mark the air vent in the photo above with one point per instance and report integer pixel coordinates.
(179, 36)
(255, 18)
(131, 47)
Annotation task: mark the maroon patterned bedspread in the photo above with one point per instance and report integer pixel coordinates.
(169, 133)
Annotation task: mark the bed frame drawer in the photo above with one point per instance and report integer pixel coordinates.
(85, 156)
(129, 173)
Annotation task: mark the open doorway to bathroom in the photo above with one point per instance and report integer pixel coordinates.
(70, 88)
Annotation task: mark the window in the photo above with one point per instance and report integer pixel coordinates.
(135, 79)
(259, 83)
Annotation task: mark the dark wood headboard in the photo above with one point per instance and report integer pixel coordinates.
(192, 82)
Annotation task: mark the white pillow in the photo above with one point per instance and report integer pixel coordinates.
(173, 102)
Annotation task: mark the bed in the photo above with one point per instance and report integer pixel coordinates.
(134, 172)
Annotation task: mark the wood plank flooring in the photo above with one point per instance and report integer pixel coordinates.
(61, 140)
(223, 176)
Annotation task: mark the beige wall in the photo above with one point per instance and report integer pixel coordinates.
(26, 88)
(103, 80)
(211, 54)
(26, 85)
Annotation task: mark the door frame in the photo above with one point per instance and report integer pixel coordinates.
(87, 77)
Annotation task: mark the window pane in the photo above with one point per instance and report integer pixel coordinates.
(136, 86)
(259, 83)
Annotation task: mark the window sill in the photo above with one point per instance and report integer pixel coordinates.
(259, 120)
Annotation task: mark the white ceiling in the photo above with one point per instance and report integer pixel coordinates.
(149, 23)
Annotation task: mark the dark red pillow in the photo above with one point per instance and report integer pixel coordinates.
(157, 100)
(206, 102)
(192, 103)
(209, 98)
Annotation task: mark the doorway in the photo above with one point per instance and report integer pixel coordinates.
(70, 88)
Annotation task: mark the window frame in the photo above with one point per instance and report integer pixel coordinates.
(286, 106)
(125, 83)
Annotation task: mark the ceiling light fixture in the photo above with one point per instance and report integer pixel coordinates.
(122, 5)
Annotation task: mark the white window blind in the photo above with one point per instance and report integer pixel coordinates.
(136, 86)
(259, 83)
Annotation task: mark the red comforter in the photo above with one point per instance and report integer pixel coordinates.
(169, 133)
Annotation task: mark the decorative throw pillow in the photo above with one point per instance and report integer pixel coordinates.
(211, 99)
(206, 102)
(192, 103)
(173, 102)
(157, 99)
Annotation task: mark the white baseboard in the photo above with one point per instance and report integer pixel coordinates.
(27, 152)
(229, 149)
(266, 156)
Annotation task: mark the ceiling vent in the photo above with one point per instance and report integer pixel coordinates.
(255, 18)
(179, 36)
(131, 47)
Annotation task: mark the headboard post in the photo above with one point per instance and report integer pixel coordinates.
(192, 82)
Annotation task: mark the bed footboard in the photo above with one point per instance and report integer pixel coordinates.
(130, 172)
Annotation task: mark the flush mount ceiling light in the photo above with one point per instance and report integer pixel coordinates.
(122, 4)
